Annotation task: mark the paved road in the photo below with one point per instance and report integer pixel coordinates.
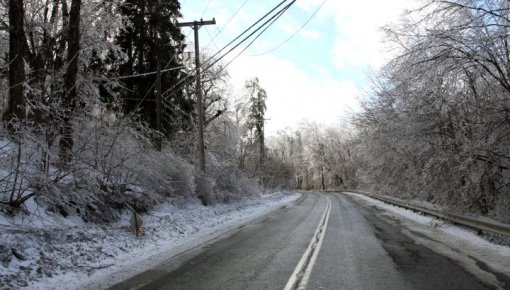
(358, 250)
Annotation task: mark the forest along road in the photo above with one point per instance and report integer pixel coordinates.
(325, 241)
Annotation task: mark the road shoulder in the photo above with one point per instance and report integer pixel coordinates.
(169, 232)
(487, 261)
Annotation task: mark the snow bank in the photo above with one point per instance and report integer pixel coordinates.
(92, 256)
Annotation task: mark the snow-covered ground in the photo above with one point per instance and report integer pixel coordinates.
(69, 254)
(473, 252)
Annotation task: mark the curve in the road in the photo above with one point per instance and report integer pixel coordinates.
(260, 256)
(336, 241)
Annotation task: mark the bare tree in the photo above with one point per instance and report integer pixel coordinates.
(70, 96)
(436, 123)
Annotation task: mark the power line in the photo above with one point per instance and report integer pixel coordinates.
(213, 42)
(164, 70)
(143, 74)
(264, 26)
(246, 30)
(147, 92)
(189, 79)
(206, 8)
(271, 21)
(220, 30)
(174, 108)
(295, 33)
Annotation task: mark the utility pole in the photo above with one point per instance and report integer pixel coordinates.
(196, 26)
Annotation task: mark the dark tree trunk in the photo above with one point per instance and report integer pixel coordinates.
(260, 128)
(322, 178)
(70, 96)
(16, 104)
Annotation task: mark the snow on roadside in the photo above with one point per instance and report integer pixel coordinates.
(92, 256)
(460, 244)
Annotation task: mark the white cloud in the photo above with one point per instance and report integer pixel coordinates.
(294, 94)
(359, 25)
(310, 34)
(290, 27)
(314, 94)
(308, 5)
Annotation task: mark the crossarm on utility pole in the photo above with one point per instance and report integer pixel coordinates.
(199, 23)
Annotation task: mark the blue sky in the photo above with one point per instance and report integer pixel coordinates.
(321, 73)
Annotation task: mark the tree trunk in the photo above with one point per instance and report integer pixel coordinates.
(70, 96)
(261, 140)
(322, 178)
(16, 104)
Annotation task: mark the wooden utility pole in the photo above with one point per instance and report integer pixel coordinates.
(200, 109)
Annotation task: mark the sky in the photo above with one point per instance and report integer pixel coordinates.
(320, 75)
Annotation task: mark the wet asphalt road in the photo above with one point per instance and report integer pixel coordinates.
(360, 250)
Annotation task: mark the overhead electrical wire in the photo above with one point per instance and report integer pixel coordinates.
(271, 21)
(227, 23)
(295, 33)
(213, 39)
(165, 69)
(260, 30)
(267, 23)
(246, 30)
(147, 92)
(206, 8)
(143, 74)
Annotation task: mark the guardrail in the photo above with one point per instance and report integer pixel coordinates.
(477, 224)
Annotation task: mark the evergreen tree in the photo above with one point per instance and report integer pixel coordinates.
(258, 98)
(152, 33)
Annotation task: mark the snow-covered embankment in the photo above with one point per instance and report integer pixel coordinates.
(50, 255)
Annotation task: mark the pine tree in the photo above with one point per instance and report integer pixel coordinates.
(150, 34)
(258, 98)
